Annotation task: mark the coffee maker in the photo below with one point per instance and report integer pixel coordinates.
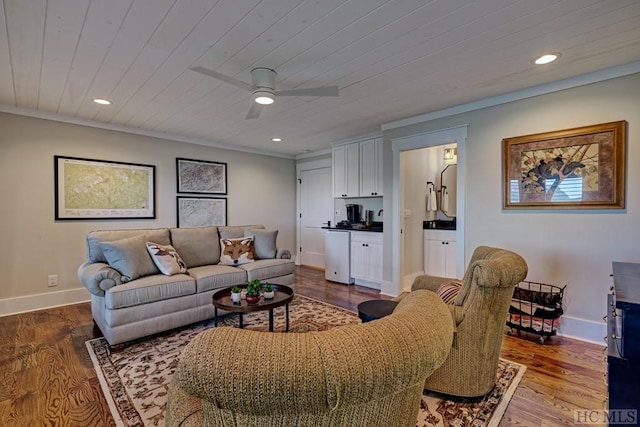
(353, 214)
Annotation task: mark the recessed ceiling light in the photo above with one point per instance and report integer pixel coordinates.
(547, 58)
(101, 101)
(276, 139)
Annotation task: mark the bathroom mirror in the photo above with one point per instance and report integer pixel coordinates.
(448, 185)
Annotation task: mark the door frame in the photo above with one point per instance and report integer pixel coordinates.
(456, 134)
(300, 167)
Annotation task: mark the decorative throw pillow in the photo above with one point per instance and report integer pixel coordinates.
(236, 251)
(264, 242)
(130, 257)
(166, 258)
(448, 291)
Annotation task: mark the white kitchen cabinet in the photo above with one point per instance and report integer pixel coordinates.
(346, 171)
(366, 258)
(440, 253)
(371, 167)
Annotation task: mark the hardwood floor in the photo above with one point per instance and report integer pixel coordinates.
(46, 375)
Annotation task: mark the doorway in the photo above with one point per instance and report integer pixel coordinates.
(456, 135)
(316, 210)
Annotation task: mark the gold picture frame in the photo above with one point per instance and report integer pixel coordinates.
(580, 168)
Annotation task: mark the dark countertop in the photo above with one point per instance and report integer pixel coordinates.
(376, 228)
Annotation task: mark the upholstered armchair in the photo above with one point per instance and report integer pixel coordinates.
(370, 374)
(479, 312)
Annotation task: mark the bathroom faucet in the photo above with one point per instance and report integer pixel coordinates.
(380, 212)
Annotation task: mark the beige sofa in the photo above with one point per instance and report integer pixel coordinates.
(126, 308)
(370, 374)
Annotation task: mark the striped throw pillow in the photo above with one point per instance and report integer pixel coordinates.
(448, 291)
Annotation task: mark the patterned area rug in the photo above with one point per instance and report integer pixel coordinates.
(135, 380)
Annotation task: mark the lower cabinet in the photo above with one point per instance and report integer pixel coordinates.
(440, 253)
(366, 258)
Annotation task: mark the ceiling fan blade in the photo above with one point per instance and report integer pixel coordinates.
(254, 111)
(224, 78)
(311, 91)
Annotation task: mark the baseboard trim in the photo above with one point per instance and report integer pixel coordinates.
(583, 330)
(17, 305)
(570, 327)
(407, 281)
(388, 288)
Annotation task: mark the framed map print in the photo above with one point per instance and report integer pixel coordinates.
(201, 211)
(100, 189)
(200, 176)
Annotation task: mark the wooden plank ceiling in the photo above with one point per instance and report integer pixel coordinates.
(391, 59)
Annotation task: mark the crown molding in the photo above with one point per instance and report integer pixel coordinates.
(135, 131)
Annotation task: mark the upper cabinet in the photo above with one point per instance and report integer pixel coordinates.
(357, 169)
(346, 171)
(371, 167)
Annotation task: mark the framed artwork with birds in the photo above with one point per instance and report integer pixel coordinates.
(580, 168)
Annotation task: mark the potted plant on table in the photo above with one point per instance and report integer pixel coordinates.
(268, 291)
(235, 294)
(253, 291)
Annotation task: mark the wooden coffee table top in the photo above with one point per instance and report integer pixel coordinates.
(222, 300)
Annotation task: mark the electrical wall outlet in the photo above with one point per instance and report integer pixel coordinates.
(52, 280)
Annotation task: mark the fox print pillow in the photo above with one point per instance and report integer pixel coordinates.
(236, 251)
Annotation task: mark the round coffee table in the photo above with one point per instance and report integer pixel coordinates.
(222, 300)
(375, 309)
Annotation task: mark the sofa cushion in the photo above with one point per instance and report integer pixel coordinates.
(449, 291)
(236, 251)
(267, 268)
(264, 242)
(197, 246)
(130, 257)
(166, 258)
(210, 277)
(149, 289)
(236, 231)
(94, 238)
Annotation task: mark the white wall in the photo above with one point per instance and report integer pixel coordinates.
(574, 247)
(261, 189)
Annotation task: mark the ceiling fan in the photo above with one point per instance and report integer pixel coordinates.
(263, 86)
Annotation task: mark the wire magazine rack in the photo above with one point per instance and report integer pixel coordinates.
(536, 308)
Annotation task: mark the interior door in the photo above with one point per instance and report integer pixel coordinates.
(316, 209)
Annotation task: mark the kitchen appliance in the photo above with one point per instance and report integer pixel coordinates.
(337, 259)
(353, 213)
(368, 218)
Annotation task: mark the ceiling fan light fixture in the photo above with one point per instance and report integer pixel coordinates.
(263, 97)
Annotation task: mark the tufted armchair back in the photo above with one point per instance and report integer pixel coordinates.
(479, 312)
(369, 374)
